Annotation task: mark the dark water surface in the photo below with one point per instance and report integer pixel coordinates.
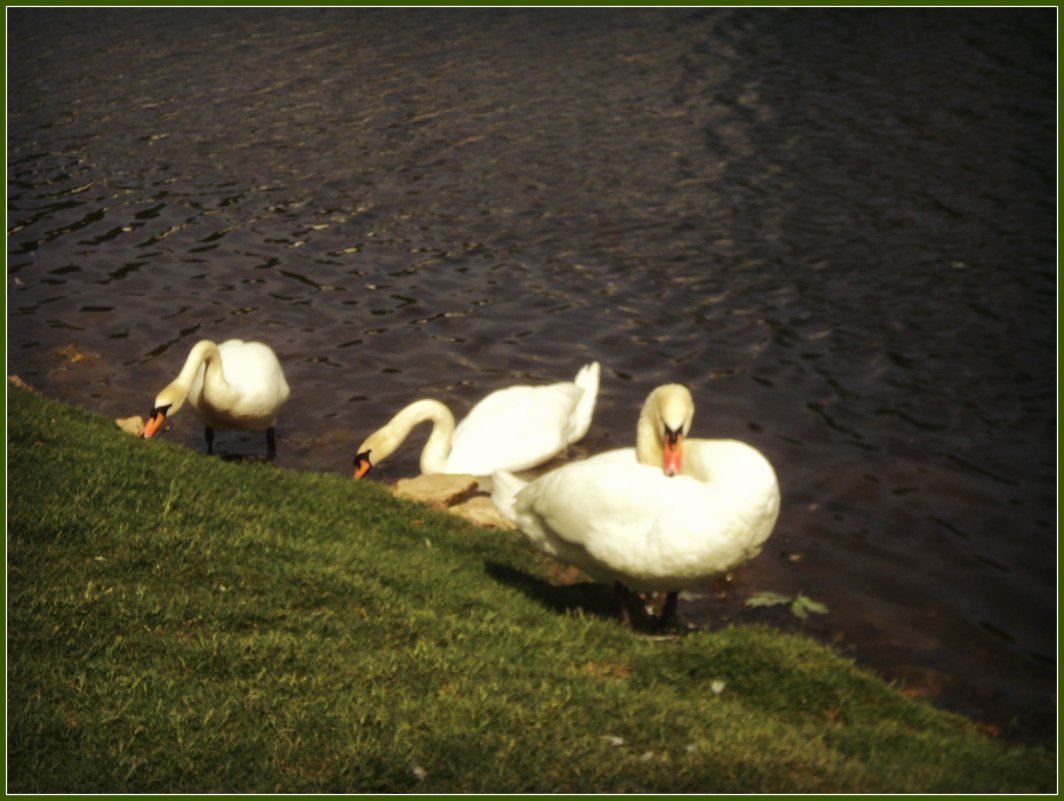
(837, 226)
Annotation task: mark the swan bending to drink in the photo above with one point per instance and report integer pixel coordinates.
(236, 384)
(514, 429)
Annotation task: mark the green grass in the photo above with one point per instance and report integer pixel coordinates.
(178, 623)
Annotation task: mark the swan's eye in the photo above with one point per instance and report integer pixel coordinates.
(160, 410)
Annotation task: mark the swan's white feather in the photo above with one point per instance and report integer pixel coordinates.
(620, 520)
(519, 426)
(511, 429)
(256, 388)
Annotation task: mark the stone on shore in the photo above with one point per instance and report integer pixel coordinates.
(456, 494)
(482, 512)
(441, 490)
(18, 382)
(131, 425)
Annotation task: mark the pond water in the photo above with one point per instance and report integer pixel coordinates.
(838, 227)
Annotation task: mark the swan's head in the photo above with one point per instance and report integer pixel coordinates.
(383, 442)
(363, 464)
(166, 402)
(663, 424)
(376, 447)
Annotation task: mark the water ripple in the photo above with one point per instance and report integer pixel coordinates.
(852, 268)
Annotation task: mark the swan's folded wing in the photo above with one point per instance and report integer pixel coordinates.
(630, 522)
(580, 419)
(513, 429)
(253, 372)
(598, 513)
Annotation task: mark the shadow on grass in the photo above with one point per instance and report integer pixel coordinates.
(590, 598)
(242, 458)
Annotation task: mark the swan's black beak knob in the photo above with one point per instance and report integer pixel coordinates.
(362, 464)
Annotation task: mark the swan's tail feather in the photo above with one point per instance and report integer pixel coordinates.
(504, 489)
(588, 380)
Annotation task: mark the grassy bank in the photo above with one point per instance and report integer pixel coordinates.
(179, 623)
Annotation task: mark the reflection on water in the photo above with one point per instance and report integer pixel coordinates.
(838, 227)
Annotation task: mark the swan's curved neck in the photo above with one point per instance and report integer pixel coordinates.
(648, 447)
(437, 448)
(203, 352)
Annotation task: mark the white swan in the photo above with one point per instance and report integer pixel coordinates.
(233, 385)
(663, 516)
(511, 429)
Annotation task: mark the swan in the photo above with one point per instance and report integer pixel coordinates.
(663, 516)
(235, 384)
(511, 429)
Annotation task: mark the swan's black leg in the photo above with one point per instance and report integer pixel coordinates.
(624, 602)
(271, 444)
(667, 619)
(208, 432)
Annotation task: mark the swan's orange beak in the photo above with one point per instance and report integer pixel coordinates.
(156, 420)
(362, 464)
(673, 461)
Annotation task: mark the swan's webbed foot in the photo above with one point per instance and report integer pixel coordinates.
(208, 434)
(271, 444)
